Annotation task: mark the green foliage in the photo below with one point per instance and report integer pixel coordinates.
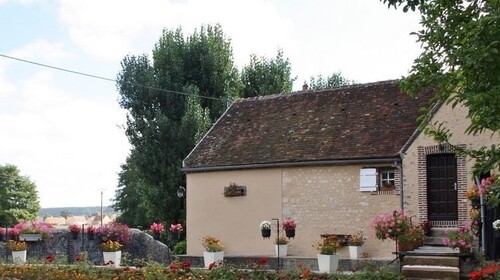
(335, 80)
(265, 77)
(18, 196)
(460, 41)
(180, 247)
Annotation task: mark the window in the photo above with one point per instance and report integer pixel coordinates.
(387, 180)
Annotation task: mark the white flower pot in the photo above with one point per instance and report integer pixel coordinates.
(283, 250)
(212, 257)
(114, 257)
(19, 256)
(356, 252)
(328, 263)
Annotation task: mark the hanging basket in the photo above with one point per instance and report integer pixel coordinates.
(290, 233)
(266, 233)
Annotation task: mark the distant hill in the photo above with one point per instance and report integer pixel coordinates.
(75, 211)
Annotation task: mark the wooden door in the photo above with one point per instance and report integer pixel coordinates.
(442, 200)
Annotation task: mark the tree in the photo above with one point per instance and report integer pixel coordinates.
(264, 77)
(171, 102)
(335, 80)
(18, 196)
(460, 59)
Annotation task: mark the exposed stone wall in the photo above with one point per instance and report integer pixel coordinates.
(61, 245)
(327, 200)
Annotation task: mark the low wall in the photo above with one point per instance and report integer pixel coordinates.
(61, 244)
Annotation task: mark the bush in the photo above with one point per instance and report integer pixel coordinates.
(180, 247)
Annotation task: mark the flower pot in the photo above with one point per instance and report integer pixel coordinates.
(112, 258)
(356, 252)
(281, 250)
(405, 246)
(19, 256)
(290, 233)
(328, 263)
(212, 257)
(156, 235)
(266, 233)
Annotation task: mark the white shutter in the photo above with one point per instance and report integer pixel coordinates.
(368, 179)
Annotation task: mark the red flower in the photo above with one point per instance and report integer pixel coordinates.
(50, 259)
(262, 261)
(305, 272)
(78, 258)
(110, 263)
(186, 264)
(212, 266)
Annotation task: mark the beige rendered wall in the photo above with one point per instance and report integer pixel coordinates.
(455, 120)
(323, 200)
(234, 220)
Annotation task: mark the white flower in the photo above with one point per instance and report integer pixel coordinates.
(265, 225)
(496, 224)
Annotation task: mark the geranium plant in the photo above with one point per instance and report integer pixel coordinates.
(111, 246)
(461, 239)
(490, 190)
(281, 240)
(496, 225)
(390, 225)
(212, 244)
(472, 193)
(114, 232)
(157, 227)
(17, 245)
(74, 228)
(91, 229)
(329, 245)
(357, 239)
(488, 272)
(265, 225)
(176, 228)
(289, 224)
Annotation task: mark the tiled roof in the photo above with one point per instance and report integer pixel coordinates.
(368, 121)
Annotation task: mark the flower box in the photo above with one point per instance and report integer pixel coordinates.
(30, 237)
(235, 190)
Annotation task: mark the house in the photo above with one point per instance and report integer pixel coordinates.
(330, 159)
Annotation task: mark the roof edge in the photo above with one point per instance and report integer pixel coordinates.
(292, 164)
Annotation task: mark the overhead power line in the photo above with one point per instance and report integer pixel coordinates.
(107, 79)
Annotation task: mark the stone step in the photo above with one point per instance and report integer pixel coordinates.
(435, 250)
(434, 241)
(441, 232)
(430, 272)
(432, 260)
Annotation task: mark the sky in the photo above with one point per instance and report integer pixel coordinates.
(66, 131)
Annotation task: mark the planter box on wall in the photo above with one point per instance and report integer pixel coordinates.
(235, 190)
(30, 237)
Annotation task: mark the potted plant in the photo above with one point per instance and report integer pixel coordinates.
(460, 239)
(390, 225)
(289, 226)
(356, 242)
(32, 231)
(114, 232)
(111, 252)
(91, 230)
(175, 231)
(265, 228)
(411, 239)
(75, 230)
(18, 249)
(328, 260)
(234, 190)
(426, 227)
(156, 228)
(473, 195)
(214, 253)
(281, 246)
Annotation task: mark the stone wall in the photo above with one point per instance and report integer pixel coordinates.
(62, 245)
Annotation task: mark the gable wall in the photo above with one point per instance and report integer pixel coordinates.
(321, 200)
(414, 162)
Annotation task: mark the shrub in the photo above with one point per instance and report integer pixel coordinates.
(180, 247)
